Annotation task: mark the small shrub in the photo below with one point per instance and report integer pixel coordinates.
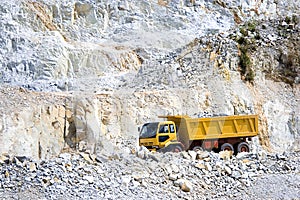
(243, 31)
(242, 40)
(257, 36)
(295, 19)
(252, 26)
(287, 20)
(246, 65)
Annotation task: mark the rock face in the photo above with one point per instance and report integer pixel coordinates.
(85, 75)
(44, 134)
(30, 126)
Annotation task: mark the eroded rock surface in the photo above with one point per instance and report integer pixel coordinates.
(84, 75)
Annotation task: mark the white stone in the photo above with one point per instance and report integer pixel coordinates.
(193, 154)
(90, 179)
(228, 170)
(208, 167)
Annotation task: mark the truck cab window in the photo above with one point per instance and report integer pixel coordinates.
(149, 130)
(172, 130)
(164, 128)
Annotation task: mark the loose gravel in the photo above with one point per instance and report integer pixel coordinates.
(145, 175)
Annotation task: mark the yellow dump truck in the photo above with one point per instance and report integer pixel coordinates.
(180, 133)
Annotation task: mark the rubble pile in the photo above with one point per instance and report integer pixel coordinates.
(145, 175)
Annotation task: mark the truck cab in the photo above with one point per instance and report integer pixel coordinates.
(156, 135)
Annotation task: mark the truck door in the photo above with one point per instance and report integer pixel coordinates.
(166, 132)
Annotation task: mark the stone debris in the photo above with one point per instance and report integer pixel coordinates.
(186, 186)
(135, 177)
(4, 159)
(193, 154)
(32, 167)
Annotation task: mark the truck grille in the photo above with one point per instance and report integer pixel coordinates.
(147, 144)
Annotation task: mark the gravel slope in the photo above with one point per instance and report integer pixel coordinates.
(143, 175)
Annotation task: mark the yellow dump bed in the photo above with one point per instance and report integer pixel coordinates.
(215, 127)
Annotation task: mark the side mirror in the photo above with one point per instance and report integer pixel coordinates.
(139, 129)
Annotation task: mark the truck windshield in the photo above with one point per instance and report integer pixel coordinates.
(149, 130)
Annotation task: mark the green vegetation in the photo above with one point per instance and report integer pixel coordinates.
(245, 46)
(249, 39)
(289, 63)
(251, 26)
(245, 63)
(288, 20)
(295, 19)
(291, 20)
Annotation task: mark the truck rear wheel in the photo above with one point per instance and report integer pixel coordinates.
(197, 148)
(227, 147)
(243, 147)
(176, 148)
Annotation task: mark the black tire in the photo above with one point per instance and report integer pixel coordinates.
(227, 147)
(176, 149)
(197, 148)
(243, 147)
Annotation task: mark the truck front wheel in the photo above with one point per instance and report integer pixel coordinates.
(227, 147)
(243, 147)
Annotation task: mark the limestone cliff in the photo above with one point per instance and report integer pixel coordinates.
(85, 74)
